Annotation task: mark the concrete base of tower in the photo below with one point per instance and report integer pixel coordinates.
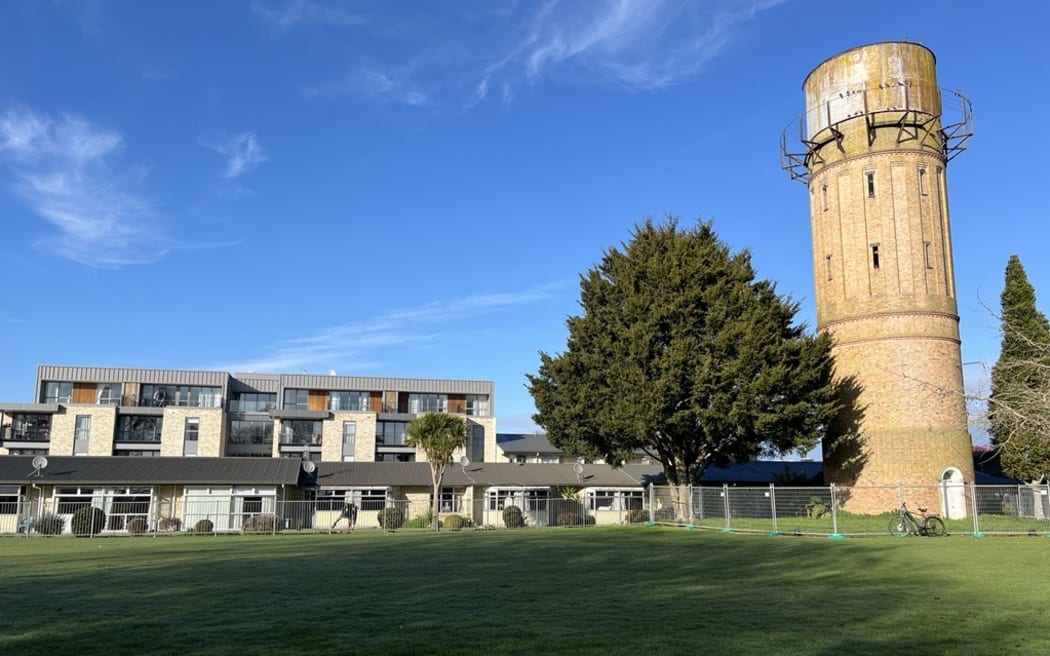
(877, 470)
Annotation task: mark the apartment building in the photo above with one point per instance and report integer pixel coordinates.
(105, 411)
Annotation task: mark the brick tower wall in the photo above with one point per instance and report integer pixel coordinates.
(883, 267)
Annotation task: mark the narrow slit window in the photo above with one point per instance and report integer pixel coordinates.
(922, 180)
(869, 178)
(824, 195)
(827, 260)
(926, 253)
(875, 256)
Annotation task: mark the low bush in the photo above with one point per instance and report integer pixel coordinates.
(512, 517)
(136, 526)
(390, 519)
(637, 516)
(420, 521)
(169, 524)
(665, 514)
(88, 520)
(573, 519)
(203, 527)
(568, 519)
(260, 524)
(49, 524)
(455, 522)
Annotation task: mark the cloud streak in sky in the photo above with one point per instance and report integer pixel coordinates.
(67, 171)
(242, 152)
(359, 345)
(497, 46)
(635, 44)
(282, 17)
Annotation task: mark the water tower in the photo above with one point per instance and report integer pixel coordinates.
(876, 140)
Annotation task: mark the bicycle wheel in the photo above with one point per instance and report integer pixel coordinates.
(935, 527)
(899, 526)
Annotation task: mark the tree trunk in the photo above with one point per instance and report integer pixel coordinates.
(436, 475)
(681, 495)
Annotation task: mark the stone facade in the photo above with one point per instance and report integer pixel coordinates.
(364, 439)
(100, 439)
(883, 268)
(211, 436)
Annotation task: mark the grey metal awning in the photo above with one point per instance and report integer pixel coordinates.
(40, 408)
(141, 410)
(316, 415)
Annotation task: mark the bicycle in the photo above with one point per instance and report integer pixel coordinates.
(906, 523)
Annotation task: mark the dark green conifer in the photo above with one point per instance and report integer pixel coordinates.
(1019, 406)
(680, 352)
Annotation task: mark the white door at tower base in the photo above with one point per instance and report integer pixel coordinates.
(953, 494)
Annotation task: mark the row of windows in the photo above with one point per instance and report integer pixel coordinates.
(875, 261)
(869, 186)
(148, 430)
(294, 399)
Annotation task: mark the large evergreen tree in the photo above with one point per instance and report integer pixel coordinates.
(1019, 406)
(680, 352)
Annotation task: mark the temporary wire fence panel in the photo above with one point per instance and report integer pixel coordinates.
(773, 509)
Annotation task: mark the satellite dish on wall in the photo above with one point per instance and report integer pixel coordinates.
(464, 461)
(309, 466)
(578, 468)
(39, 462)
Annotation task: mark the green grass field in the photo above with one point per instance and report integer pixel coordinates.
(640, 590)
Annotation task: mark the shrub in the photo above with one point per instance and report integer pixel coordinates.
(260, 524)
(137, 526)
(420, 521)
(88, 521)
(48, 524)
(568, 519)
(573, 519)
(637, 516)
(169, 524)
(455, 522)
(665, 514)
(203, 526)
(817, 508)
(390, 519)
(512, 517)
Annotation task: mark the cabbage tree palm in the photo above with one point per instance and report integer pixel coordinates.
(438, 435)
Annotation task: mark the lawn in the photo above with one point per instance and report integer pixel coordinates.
(639, 590)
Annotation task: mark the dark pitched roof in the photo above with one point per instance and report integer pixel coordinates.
(381, 474)
(530, 444)
(115, 470)
(752, 472)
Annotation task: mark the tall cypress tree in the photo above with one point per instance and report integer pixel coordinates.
(1019, 406)
(680, 352)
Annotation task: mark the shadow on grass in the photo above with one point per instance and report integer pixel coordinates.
(595, 591)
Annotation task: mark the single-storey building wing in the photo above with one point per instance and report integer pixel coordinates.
(235, 494)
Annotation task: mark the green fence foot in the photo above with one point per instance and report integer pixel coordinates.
(773, 534)
(688, 527)
(978, 534)
(836, 536)
(727, 530)
(650, 523)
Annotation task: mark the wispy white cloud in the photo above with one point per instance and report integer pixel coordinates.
(637, 44)
(66, 170)
(374, 85)
(359, 345)
(242, 152)
(281, 17)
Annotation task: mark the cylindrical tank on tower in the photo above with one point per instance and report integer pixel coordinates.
(875, 146)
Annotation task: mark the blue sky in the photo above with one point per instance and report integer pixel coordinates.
(412, 189)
